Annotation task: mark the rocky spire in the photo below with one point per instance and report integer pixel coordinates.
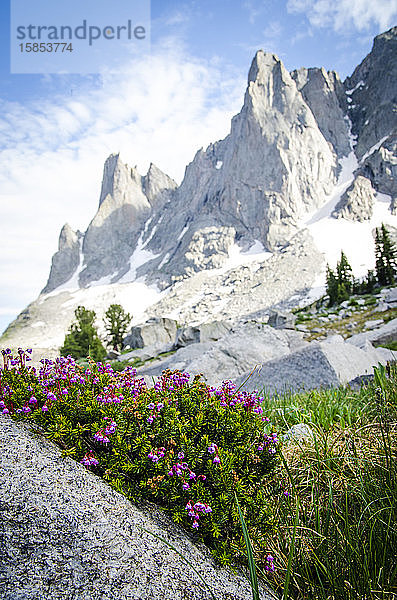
(66, 260)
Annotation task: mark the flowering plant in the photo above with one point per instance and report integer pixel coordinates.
(185, 446)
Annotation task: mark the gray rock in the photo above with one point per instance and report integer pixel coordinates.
(357, 202)
(187, 335)
(205, 332)
(113, 355)
(321, 90)
(240, 350)
(380, 166)
(391, 296)
(66, 534)
(156, 332)
(66, 260)
(281, 320)
(298, 433)
(373, 324)
(372, 90)
(325, 364)
(384, 334)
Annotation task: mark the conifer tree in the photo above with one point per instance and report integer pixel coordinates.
(332, 286)
(344, 274)
(386, 257)
(116, 323)
(339, 284)
(82, 339)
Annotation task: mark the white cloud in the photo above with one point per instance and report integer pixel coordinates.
(159, 110)
(341, 14)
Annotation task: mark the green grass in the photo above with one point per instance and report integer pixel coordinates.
(339, 521)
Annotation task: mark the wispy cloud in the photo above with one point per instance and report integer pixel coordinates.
(161, 110)
(342, 14)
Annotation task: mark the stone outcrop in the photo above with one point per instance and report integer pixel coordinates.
(66, 260)
(357, 202)
(66, 534)
(155, 332)
(326, 364)
(239, 350)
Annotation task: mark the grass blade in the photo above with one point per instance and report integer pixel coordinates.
(250, 555)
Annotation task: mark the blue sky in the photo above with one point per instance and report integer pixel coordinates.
(57, 130)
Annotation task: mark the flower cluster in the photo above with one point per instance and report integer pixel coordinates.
(171, 381)
(269, 564)
(184, 471)
(89, 460)
(213, 449)
(155, 455)
(101, 436)
(155, 409)
(270, 443)
(196, 510)
(201, 428)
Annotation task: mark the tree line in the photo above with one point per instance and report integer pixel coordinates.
(341, 284)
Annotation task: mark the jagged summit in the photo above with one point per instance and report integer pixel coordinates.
(306, 150)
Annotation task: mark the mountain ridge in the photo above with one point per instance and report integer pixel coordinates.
(246, 198)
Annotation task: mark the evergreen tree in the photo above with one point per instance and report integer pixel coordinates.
(386, 257)
(116, 323)
(339, 284)
(332, 286)
(82, 339)
(344, 274)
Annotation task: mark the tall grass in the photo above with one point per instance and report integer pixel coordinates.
(335, 533)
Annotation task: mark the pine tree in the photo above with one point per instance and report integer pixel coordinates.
(379, 259)
(116, 323)
(389, 256)
(332, 286)
(339, 284)
(82, 339)
(344, 274)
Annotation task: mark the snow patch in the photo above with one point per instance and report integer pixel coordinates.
(166, 257)
(184, 230)
(360, 84)
(219, 164)
(374, 148)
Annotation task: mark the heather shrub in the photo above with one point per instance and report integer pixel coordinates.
(183, 445)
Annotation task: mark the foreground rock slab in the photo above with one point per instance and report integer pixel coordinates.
(66, 535)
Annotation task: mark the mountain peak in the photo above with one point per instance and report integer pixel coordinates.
(262, 64)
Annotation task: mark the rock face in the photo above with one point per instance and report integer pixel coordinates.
(66, 534)
(66, 260)
(380, 166)
(322, 91)
(357, 203)
(371, 93)
(326, 364)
